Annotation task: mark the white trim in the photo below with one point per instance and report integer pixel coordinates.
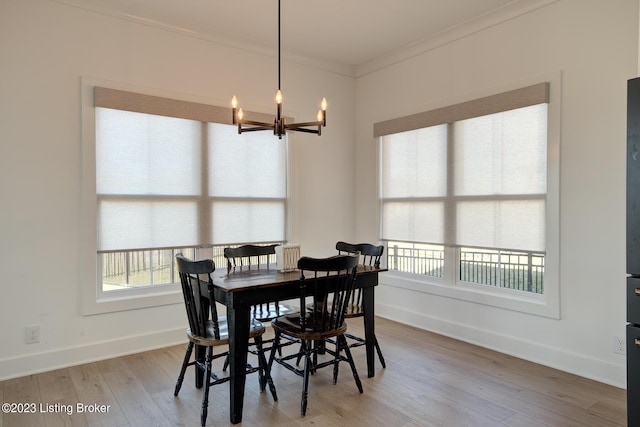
(507, 299)
(339, 68)
(572, 362)
(92, 301)
(547, 305)
(510, 11)
(46, 361)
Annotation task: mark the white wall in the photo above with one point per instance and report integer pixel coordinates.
(45, 48)
(594, 44)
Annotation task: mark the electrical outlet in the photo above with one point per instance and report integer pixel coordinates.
(619, 345)
(31, 334)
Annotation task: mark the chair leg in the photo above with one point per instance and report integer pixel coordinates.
(185, 363)
(263, 382)
(375, 342)
(265, 371)
(207, 384)
(274, 348)
(305, 379)
(300, 353)
(309, 346)
(226, 363)
(343, 342)
(336, 362)
(314, 354)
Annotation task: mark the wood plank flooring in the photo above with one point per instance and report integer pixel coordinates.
(430, 380)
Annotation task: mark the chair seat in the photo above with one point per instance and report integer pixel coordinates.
(256, 328)
(290, 325)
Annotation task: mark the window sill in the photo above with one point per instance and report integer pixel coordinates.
(131, 299)
(546, 305)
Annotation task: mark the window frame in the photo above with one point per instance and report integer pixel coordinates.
(449, 285)
(93, 300)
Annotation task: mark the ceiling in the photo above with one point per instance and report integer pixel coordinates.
(339, 33)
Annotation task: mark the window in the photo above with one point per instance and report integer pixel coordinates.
(172, 176)
(464, 194)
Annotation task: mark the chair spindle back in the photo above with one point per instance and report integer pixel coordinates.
(192, 291)
(237, 257)
(324, 277)
(371, 255)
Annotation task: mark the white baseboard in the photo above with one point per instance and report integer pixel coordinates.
(49, 360)
(574, 363)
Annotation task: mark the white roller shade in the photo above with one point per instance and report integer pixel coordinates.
(246, 165)
(414, 163)
(413, 221)
(147, 157)
(503, 153)
(466, 180)
(498, 156)
(247, 221)
(170, 173)
(506, 224)
(141, 224)
(135, 153)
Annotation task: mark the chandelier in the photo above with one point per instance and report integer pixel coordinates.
(279, 125)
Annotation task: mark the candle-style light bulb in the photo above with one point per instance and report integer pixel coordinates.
(240, 114)
(323, 104)
(234, 102)
(279, 97)
(319, 116)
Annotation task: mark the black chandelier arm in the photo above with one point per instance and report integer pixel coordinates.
(304, 124)
(253, 123)
(253, 129)
(294, 127)
(315, 131)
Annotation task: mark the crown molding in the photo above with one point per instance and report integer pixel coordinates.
(464, 29)
(511, 10)
(269, 51)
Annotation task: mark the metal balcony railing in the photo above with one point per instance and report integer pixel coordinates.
(128, 269)
(522, 271)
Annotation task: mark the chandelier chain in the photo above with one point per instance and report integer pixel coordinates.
(279, 125)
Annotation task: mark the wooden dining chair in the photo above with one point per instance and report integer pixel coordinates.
(208, 330)
(247, 257)
(371, 255)
(329, 282)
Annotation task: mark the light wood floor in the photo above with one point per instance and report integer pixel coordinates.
(430, 380)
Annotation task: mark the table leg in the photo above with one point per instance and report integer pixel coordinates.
(369, 328)
(238, 319)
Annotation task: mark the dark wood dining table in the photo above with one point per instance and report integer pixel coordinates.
(239, 290)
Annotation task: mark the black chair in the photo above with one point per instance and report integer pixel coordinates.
(330, 283)
(254, 256)
(370, 257)
(206, 329)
